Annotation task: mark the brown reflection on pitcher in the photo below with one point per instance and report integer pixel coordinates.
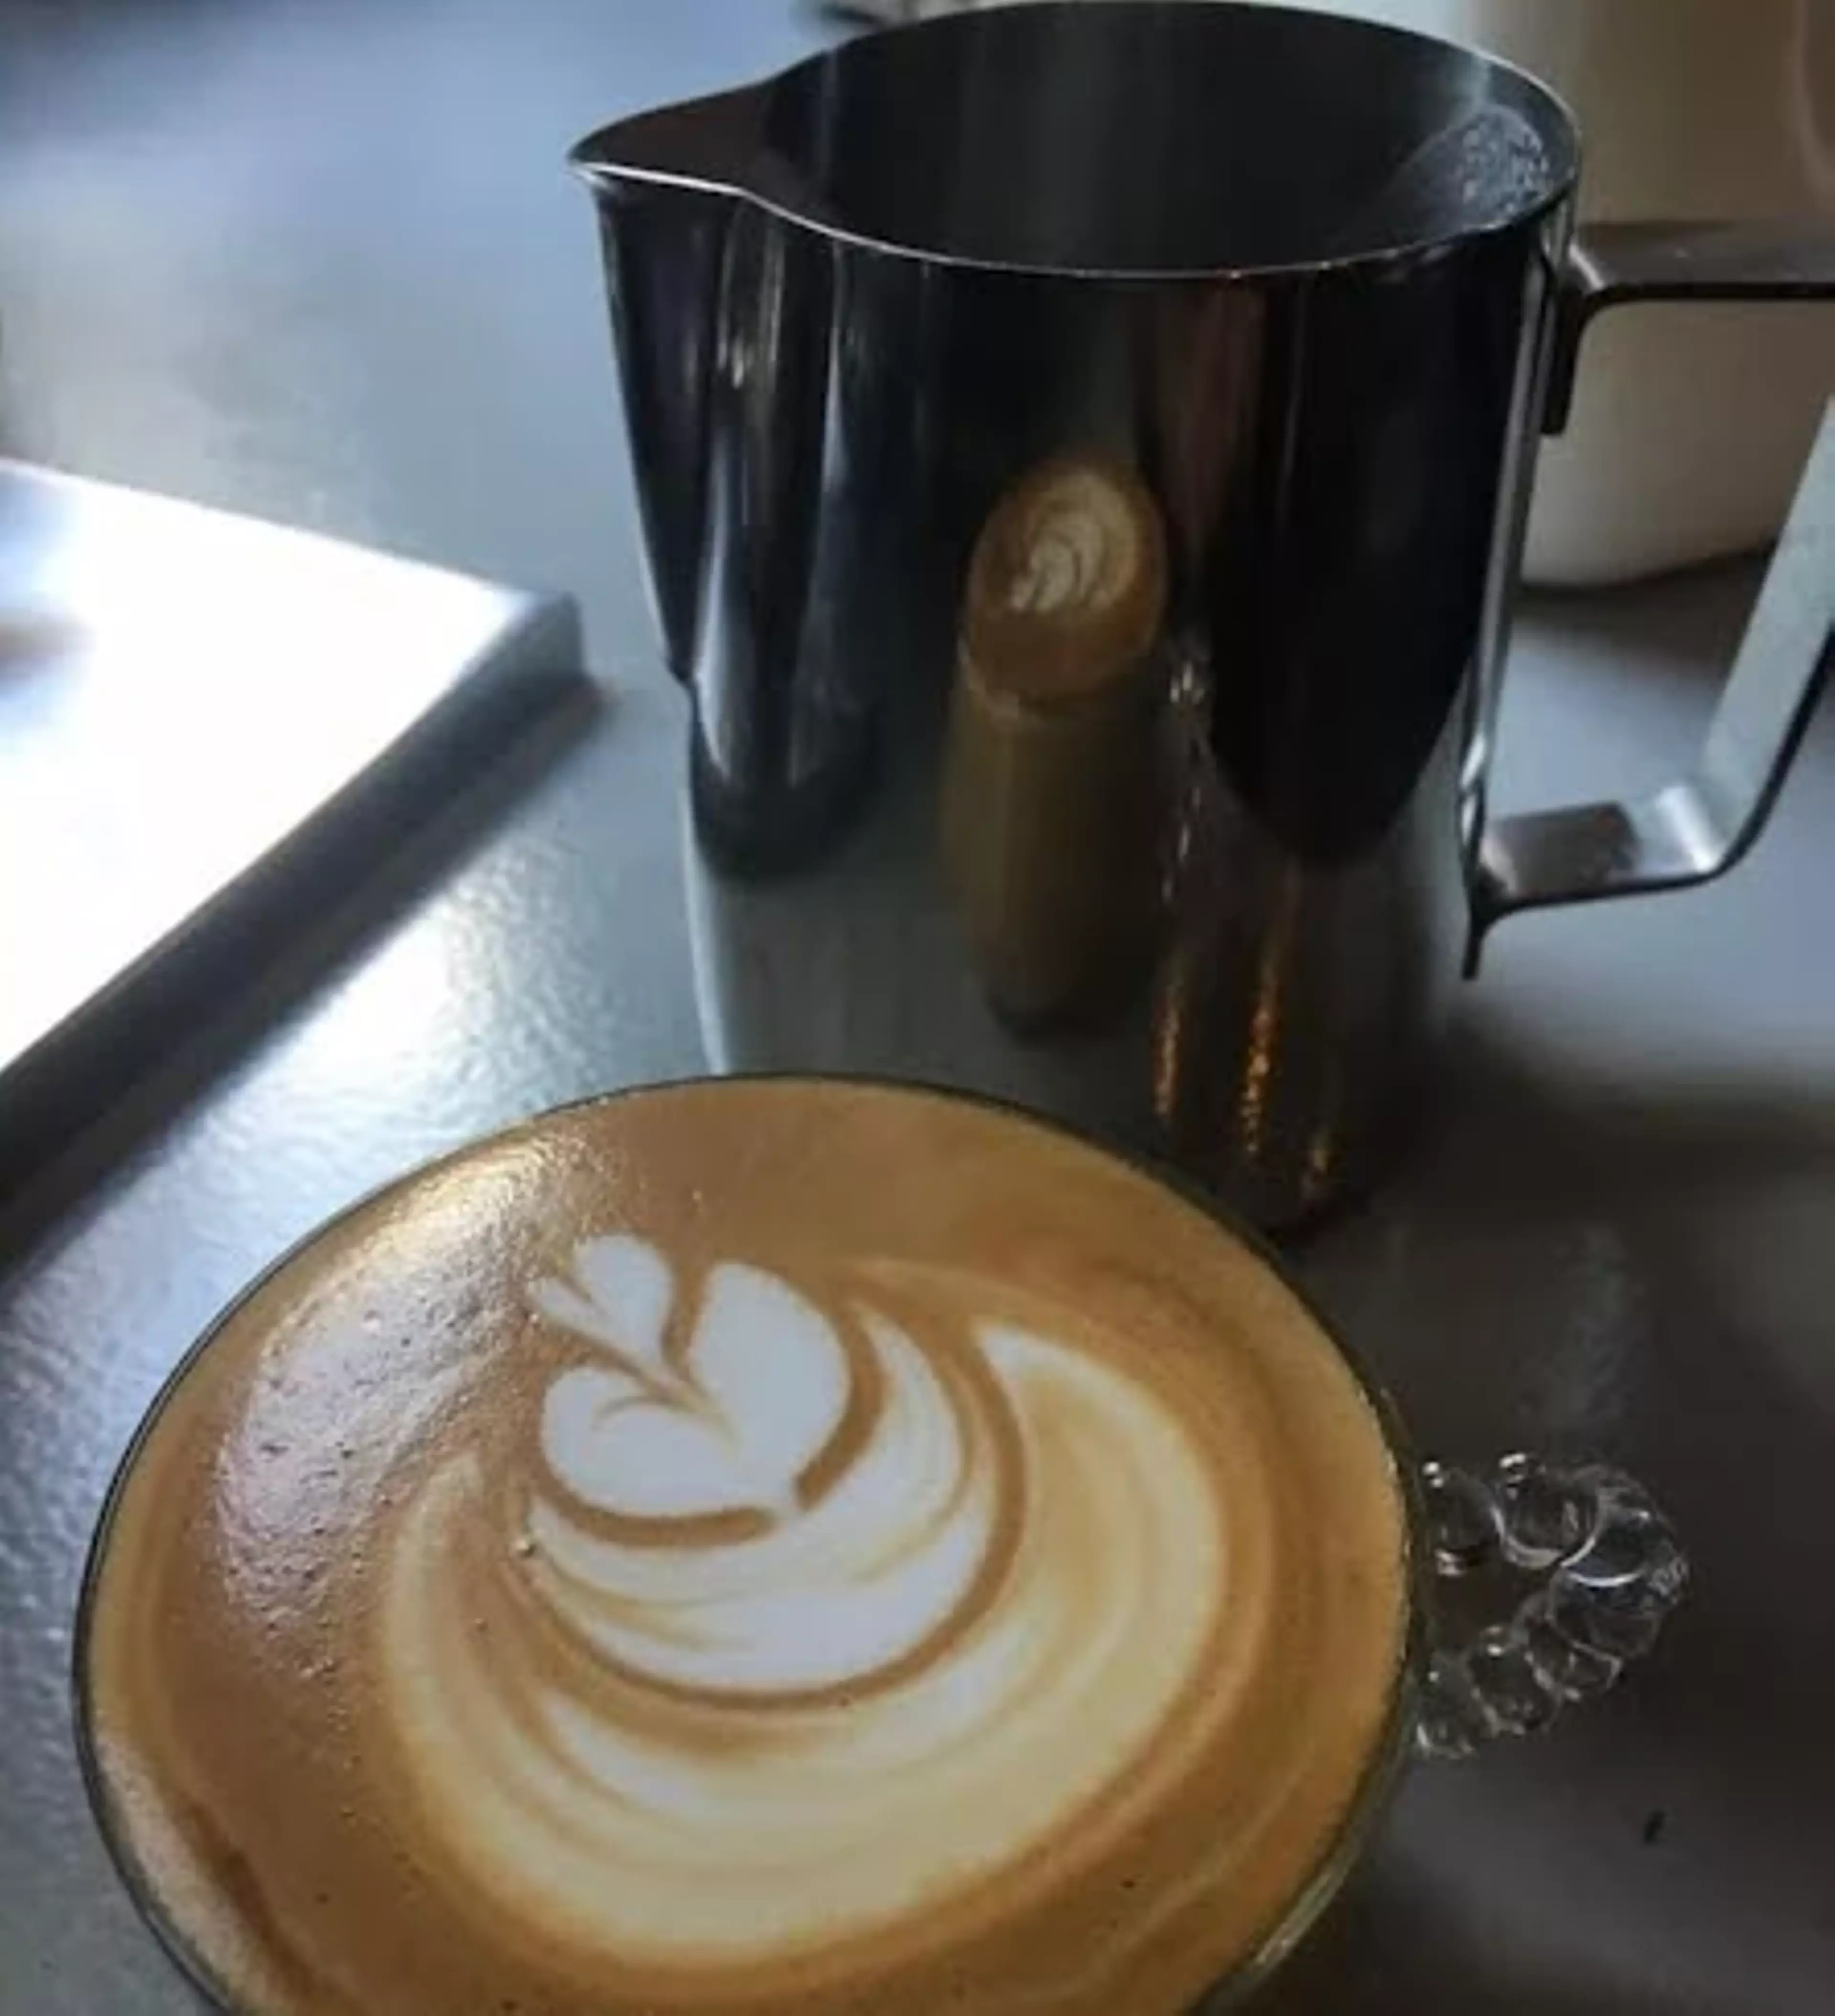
(1051, 791)
(1277, 1002)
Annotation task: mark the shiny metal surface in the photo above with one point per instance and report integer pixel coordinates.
(1613, 1235)
(198, 714)
(1300, 273)
(1614, 265)
(1698, 827)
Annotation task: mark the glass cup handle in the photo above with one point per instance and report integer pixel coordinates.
(1606, 1570)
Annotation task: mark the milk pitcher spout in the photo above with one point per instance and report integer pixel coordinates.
(720, 272)
(663, 215)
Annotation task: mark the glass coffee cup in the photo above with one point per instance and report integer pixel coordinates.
(769, 1544)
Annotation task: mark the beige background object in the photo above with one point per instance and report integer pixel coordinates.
(1690, 424)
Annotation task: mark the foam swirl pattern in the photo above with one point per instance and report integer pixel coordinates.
(997, 1596)
(656, 1564)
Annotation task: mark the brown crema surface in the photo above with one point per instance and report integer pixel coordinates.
(749, 1547)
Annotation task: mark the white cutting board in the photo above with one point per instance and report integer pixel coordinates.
(183, 695)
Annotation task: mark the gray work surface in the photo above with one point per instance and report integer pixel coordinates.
(318, 259)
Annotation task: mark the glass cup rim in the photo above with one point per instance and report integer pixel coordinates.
(1389, 1749)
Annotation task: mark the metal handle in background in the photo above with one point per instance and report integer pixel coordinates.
(1612, 265)
(1608, 1572)
(1698, 826)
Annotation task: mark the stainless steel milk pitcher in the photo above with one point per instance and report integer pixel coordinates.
(1083, 453)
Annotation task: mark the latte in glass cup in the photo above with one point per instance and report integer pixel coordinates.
(749, 1547)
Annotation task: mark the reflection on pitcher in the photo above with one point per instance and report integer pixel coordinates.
(1296, 995)
(1051, 799)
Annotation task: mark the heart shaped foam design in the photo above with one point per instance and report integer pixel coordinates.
(727, 1423)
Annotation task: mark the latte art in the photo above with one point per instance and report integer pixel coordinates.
(749, 1549)
(847, 1579)
(762, 1386)
(961, 1539)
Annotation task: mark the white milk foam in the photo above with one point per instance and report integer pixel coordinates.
(764, 1389)
(788, 1553)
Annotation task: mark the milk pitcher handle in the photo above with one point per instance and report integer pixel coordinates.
(1605, 1570)
(1698, 826)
